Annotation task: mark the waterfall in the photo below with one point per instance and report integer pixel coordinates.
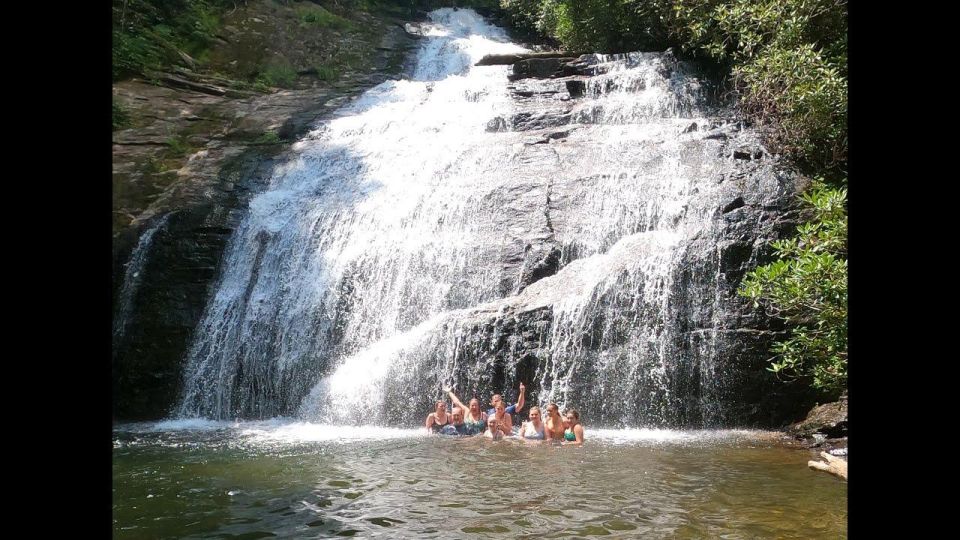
(132, 277)
(454, 228)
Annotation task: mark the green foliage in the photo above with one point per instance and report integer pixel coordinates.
(802, 100)
(316, 15)
(591, 25)
(178, 146)
(268, 137)
(328, 73)
(807, 286)
(132, 54)
(154, 165)
(523, 13)
(120, 116)
(789, 64)
(406, 8)
(277, 73)
(337, 65)
(151, 34)
(740, 29)
(787, 58)
(352, 6)
(260, 86)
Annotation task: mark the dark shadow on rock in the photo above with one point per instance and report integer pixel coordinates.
(179, 275)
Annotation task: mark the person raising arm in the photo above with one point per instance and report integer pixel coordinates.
(475, 419)
(512, 409)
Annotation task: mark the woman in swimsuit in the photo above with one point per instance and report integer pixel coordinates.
(573, 434)
(504, 422)
(436, 420)
(475, 419)
(534, 429)
(554, 423)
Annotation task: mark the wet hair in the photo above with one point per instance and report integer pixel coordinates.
(575, 413)
(471, 403)
(534, 408)
(555, 407)
(439, 403)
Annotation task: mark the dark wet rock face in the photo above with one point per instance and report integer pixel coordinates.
(538, 68)
(175, 278)
(198, 147)
(576, 88)
(823, 422)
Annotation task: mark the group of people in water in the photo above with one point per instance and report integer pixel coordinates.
(497, 422)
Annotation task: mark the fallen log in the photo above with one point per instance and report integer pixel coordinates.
(177, 82)
(834, 465)
(507, 59)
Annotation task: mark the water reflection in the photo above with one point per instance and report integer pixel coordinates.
(253, 479)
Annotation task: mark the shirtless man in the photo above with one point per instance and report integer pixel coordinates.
(512, 409)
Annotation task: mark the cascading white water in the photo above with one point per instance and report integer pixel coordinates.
(357, 283)
(367, 233)
(133, 276)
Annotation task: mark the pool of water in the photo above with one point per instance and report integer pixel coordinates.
(283, 478)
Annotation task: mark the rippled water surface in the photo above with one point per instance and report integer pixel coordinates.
(200, 479)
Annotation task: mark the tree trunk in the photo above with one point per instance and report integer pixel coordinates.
(834, 465)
